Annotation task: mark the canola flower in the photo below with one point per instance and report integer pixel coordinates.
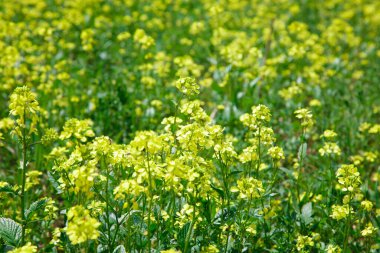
(340, 212)
(81, 226)
(305, 116)
(250, 188)
(28, 248)
(187, 86)
(24, 106)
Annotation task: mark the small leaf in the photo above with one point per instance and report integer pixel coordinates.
(10, 231)
(119, 249)
(235, 172)
(218, 190)
(287, 171)
(54, 182)
(8, 189)
(306, 212)
(302, 151)
(34, 207)
(182, 234)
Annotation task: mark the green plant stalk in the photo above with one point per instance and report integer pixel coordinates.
(264, 222)
(189, 232)
(23, 195)
(300, 166)
(347, 226)
(107, 206)
(331, 178)
(149, 202)
(274, 175)
(259, 154)
(226, 189)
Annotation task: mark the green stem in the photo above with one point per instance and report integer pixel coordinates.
(264, 222)
(348, 224)
(300, 166)
(23, 195)
(149, 203)
(259, 154)
(189, 232)
(107, 206)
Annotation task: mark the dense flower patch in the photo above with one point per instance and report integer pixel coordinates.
(189, 126)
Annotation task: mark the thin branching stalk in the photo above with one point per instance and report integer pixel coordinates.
(190, 231)
(103, 165)
(23, 193)
(347, 225)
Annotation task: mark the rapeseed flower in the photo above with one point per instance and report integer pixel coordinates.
(81, 227)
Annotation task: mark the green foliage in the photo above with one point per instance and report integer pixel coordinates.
(10, 231)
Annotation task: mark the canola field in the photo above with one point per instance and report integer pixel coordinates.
(189, 126)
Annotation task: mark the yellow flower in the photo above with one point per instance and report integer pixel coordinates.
(304, 241)
(249, 188)
(32, 178)
(3, 184)
(56, 236)
(260, 115)
(79, 129)
(123, 36)
(128, 188)
(188, 86)
(330, 148)
(366, 205)
(368, 230)
(101, 146)
(210, 249)
(276, 153)
(24, 105)
(51, 210)
(28, 248)
(143, 39)
(82, 178)
(81, 226)
(348, 178)
(87, 37)
(340, 212)
(305, 116)
(315, 103)
(333, 249)
(252, 229)
(249, 154)
(329, 134)
(170, 251)
(49, 136)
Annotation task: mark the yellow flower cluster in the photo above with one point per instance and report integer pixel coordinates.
(348, 178)
(81, 227)
(249, 188)
(188, 86)
(340, 212)
(303, 242)
(24, 106)
(305, 116)
(201, 181)
(28, 248)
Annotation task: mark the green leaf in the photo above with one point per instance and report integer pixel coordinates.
(8, 189)
(218, 190)
(306, 212)
(302, 151)
(54, 182)
(287, 171)
(34, 207)
(182, 234)
(235, 172)
(10, 231)
(119, 249)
